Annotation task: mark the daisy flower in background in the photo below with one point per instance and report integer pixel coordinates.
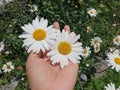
(33, 8)
(38, 35)
(96, 48)
(114, 50)
(84, 77)
(96, 41)
(2, 46)
(111, 86)
(89, 29)
(114, 61)
(86, 52)
(8, 67)
(116, 40)
(66, 48)
(2, 2)
(92, 12)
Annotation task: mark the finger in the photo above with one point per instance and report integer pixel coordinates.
(33, 54)
(67, 28)
(56, 25)
(46, 58)
(44, 54)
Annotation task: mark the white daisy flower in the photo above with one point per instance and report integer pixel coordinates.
(114, 61)
(96, 48)
(116, 40)
(111, 86)
(92, 12)
(8, 67)
(38, 35)
(66, 48)
(33, 8)
(114, 50)
(86, 52)
(96, 41)
(2, 46)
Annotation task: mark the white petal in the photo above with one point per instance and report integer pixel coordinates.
(66, 61)
(76, 56)
(76, 38)
(31, 48)
(62, 64)
(36, 23)
(28, 41)
(77, 44)
(28, 28)
(54, 57)
(51, 53)
(45, 44)
(72, 59)
(54, 61)
(25, 36)
(41, 47)
(42, 19)
(48, 29)
(43, 24)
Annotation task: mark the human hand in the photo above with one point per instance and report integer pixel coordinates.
(42, 75)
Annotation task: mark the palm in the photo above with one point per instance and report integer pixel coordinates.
(45, 74)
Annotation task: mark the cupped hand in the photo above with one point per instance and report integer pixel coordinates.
(42, 75)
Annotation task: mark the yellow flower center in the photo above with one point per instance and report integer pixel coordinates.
(117, 60)
(39, 34)
(91, 12)
(97, 48)
(88, 30)
(85, 51)
(8, 67)
(64, 48)
(117, 40)
(96, 41)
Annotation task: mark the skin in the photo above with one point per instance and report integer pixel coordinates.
(42, 75)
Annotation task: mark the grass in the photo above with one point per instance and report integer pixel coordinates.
(67, 12)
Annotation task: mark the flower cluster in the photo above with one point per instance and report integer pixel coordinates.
(95, 42)
(63, 45)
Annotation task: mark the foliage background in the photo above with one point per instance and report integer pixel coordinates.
(67, 12)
